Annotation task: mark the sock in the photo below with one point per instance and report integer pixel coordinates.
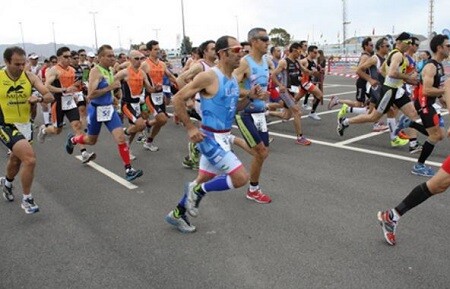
(412, 142)
(427, 149)
(358, 110)
(46, 116)
(124, 153)
(392, 124)
(78, 139)
(420, 128)
(254, 186)
(149, 139)
(305, 101)
(179, 211)
(417, 196)
(345, 122)
(8, 182)
(217, 184)
(315, 105)
(82, 150)
(29, 196)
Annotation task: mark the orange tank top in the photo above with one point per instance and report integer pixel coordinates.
(156, 73)
(135, 81)
(66, 76)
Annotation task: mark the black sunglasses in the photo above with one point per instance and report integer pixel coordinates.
(263, 38)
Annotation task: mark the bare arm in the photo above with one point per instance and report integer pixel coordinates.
(280, 68)
(36, 82)
(188, 75)
(393, 72)
(363, 66)
(94, 79)
(428, 73)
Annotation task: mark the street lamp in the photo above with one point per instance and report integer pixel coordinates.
(182, 19)
(95, 27)
(21, 33)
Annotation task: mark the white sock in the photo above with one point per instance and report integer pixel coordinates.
(359, 110)
(27, 196)
(254, 188)
(46, 116)
(392, 124)
(7, 183)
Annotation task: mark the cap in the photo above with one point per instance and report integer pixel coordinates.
(403, 36)
(33, 56)
(143, 47)
(90, 54)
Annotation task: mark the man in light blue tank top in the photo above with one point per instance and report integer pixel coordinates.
(219, 169)
(254, 72)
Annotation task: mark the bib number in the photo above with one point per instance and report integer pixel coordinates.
(68, 102)
(400, 92)
(166, 88)
(137, 108)
(25, 129)
(157, 98)
(260, 121)
(223, 139)
(104, 113)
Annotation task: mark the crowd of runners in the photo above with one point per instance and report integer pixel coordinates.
(224, 82)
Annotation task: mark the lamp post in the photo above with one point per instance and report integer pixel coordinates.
(95, 27)
(54, 37)
(21, 33)
(182, 19)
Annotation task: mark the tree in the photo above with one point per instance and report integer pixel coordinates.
(136, 46)
(186, 45)
(279, 37)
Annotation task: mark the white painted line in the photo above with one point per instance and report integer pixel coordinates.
(338, 85)
(110, 174)
(361, 150)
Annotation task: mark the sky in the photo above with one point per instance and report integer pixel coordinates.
(124, 22)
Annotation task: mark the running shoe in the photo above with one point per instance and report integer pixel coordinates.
(388, 225)
(403, 122)
(132, 174)
(181, 223)
(415, 149)
(271, 139)
(29, 206)
(258, 197)
(132, 156)
(334, 100)
(141, 138)
(69, 143)
(422, 170)
(150, 146)
(343, 111)
(87, 157)
(306, 107)
(341, 126)
(401, 134)
(379, 126)
(189, 164)
(303, 141)
(7, 192)
(41, 135)
(398, 142)
(314, 116)
(193, 199)
(194, 153)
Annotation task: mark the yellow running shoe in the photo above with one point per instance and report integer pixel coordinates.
(342, 112)
(398, 142)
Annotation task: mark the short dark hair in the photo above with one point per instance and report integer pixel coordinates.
(104, 47)
(272, 49)
(253, 33)
(81, 50)
(380, 42)
(294, 46)
(203, 47)
(51, 58)
(303, 42)
(245, 43)
(121, 54)
(61, 50)
(222, 43)
(436, 41)
(7, 55)
(427, 53)
(73, 53)
(311, 48)
(365, 42)
(151, 43)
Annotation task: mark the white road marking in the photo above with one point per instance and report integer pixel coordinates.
(110, 174)
(361, 150)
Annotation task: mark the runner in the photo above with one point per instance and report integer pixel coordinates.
(15, 99)
(100, 111)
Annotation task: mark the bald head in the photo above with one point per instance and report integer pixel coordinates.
(135, 53)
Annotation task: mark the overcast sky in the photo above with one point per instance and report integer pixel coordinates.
(135, 21)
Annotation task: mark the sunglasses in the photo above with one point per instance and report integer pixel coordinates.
(409, 42)
(139, 58)
(82, 54)
(66, 56)
(234, 49)
(264, 38)
(448, 45)
(54, 62)
(76, 57)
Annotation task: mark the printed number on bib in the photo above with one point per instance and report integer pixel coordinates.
(136, 107)
(105, 113)
(400, 92)
(223, 139)
(67, 102)
(157, 98)
(166, 88)
(260, 121)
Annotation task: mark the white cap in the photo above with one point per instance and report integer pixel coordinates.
(33, 56)
(90, 54)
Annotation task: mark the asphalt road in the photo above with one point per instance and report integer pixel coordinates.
(320, 231)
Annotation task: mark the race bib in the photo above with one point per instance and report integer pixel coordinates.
(157, 98)
(294, 89)
(26, 129)
(68, 102)
(400, 92)
(408, 88)
(79, 96)
(136, 107)
(223, 139)
(105, 112)
(260, 121)
(166, 88)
